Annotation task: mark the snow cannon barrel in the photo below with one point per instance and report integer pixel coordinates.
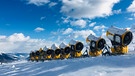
(120, 39)
(76, 48)
(48, 53)
(65, 50)
(57, 52)
(96, 45)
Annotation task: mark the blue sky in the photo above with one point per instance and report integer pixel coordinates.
(61, 20)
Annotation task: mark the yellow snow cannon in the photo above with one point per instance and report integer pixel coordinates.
(120, 39)
(37, 54)
(76, 48)
(41, 54)
(48, 53)
(65, 50)
(96, 45)
(57, 52)
(32, 56)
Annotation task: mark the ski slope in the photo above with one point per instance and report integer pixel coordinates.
(93, 66)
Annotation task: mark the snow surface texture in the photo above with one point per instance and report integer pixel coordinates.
(93, 66)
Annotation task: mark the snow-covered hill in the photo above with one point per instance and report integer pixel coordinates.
(92, 66)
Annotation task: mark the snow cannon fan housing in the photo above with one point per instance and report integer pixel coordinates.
(76, 48)
(119, 36)
(96, 44)
(32, 56)
(76, 45)
(57, 51)
(65, 50)
(49, 51)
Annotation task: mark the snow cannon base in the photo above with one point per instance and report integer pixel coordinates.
(119, 50)
(95, 53)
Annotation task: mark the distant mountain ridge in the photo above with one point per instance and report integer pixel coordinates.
(10, 57)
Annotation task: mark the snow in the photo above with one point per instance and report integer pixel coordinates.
(62, 45)
(45, 48)
(72, 42)
(123, 65)
(54, 47)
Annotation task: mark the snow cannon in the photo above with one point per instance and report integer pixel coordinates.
(32, 56)
(120, 39)
(57, 52)
(37, 54)
(76, 48)
(65, 50)
(48, 53)
(41, 54)
(96, 45)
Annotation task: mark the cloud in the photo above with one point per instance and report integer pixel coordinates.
(42, 18)
(38, 2)
(52, 4)
(83, 33)
(68, 30)
(117, 11)
(88, 8)
(65, 20)
(17, 42)
(130, 18)
(81, 23)
(131, 8)
(18, 37)
(92, 24)
(101, 27)
(39, 29)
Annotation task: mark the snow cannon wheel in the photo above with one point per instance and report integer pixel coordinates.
(79, 46)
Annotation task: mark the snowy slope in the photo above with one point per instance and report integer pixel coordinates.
(92, 66)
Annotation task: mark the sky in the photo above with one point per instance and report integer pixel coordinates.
(27, 25)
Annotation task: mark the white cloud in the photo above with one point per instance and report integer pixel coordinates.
(101, 27)
(130, 18)
(133, 14)
(2, 37)
(18, 37)
(39, 29)
(68, 30)
(83, 33)
(81, 23)
(88, 8)
(17, 42)
(92, 24)
(38, 2)
(117, 11)
(52, 4)
(131, 8)
(42, 18)
(65, 20)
